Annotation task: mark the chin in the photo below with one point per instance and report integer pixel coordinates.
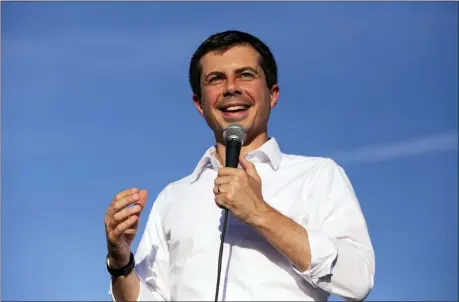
(244, 123)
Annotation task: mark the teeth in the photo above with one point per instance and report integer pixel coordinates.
(234, 108)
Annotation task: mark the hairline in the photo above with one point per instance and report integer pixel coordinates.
(223, 49)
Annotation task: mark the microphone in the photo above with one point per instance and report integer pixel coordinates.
(234, 137)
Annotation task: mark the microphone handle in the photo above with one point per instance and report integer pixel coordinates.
(233, 151)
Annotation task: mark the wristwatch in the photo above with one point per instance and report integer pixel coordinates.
(122, 271)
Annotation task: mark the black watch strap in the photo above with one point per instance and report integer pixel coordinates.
(122, 271)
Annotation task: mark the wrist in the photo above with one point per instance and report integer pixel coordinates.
(116, 265)
(117, 269)
(117, 262)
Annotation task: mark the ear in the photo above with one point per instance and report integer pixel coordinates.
(275, 92)
(197, 103)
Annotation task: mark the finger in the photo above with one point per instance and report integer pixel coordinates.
(219, 189)
(122, 203)
(143, 198)
(227, 171)
(133, 229)
(115, 235)
(126, 193)
(120, 196)
(249, 167)
(220, 201)
(122, 215)
(221, 180)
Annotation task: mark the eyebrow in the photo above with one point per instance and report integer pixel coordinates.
(242, 69)
(239, 70)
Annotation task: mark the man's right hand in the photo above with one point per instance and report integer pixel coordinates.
(121, 224)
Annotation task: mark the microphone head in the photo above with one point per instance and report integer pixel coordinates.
(234, 132)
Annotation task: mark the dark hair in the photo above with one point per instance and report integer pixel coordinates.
(225, 40)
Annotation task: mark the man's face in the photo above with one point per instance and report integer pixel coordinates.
(234, 90)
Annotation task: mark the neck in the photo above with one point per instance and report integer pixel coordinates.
(249, 146)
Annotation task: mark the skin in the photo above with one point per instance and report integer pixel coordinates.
(121, 225)
(234, 76)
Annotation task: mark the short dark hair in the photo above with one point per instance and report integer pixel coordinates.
(225, 40)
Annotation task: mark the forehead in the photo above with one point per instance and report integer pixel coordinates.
(232, 58)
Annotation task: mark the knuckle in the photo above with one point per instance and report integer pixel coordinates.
(111, 225)
(106, 222)
(119, 228)
(122, 193)
(115, 219)
(116, 207)
(119, 195)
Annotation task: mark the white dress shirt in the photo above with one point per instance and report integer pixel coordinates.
(177, 255)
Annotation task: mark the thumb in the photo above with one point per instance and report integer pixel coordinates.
(143, 198)
(249, 167)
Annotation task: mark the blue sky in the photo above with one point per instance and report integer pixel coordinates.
(95, 99)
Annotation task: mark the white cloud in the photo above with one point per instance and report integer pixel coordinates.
(428, 144)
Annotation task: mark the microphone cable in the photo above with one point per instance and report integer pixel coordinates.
(222, 240)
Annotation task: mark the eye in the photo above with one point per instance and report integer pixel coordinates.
(246, 74)
(214, 79)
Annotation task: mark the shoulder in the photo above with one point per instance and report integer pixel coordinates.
(172, 191)
(315, 163)
(319, 172)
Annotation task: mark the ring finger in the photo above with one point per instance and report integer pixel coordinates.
(219, 189)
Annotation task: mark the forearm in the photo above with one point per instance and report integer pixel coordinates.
(353, 274)
(288, 237)
(126, 288)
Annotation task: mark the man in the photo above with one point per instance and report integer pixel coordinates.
(295, 228)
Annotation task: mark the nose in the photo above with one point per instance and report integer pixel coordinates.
(231, 88)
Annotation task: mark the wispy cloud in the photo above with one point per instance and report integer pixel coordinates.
(428, 144)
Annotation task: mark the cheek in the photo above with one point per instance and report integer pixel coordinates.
(260, 96)
(211, 97)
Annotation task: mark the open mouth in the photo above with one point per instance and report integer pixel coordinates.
(235, 108)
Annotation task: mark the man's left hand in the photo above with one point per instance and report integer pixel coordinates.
(239, 191)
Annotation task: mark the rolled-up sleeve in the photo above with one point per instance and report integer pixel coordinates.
(323, 256)
(342, 256)
(152, 258)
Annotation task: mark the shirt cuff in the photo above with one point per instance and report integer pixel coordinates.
(323, 255)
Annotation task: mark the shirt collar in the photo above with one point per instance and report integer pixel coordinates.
(269, 153)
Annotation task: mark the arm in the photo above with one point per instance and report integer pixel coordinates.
(288, 237)
(125, 288)
(148, 281)
(333, 251)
